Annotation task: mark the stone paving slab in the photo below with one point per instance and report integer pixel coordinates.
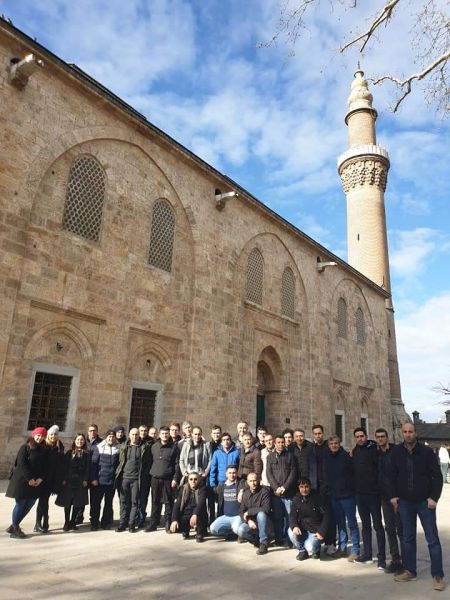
(157, 566)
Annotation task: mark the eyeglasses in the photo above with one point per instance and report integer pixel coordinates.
(193, 479)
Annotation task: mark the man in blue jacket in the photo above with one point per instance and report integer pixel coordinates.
(226, 454)
(104, 461)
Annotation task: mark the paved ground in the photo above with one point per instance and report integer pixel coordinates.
(157, 566)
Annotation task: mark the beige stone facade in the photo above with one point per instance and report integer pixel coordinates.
(99, 313)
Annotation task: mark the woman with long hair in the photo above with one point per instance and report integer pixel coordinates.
(74, 492)
(26, 479)
(53, 477)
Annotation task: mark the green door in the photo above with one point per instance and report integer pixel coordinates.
(260, 410)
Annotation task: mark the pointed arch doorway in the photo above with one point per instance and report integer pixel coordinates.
(268, 385)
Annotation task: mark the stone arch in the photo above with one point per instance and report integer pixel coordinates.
(59, 328)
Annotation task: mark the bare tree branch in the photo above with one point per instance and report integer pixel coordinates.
(406, 84)
(383, 16)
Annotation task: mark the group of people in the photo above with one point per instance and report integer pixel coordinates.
(283, 488)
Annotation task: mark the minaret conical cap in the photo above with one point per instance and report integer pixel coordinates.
(360, 96)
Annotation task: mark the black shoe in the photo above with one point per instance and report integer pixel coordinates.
(66, 526)
(140, 525)
(315, 555)
(17, 533)
(10, 529)
(38, 528)
(121, 528)
(302, 555)
(94, 527)
(132, 529)
(199, 539)
(363, 560)
(167, 527)
(241, 540)
(262, 549)
(45, 524)
(231, 537)
(73, 526)
(381, 565)
(150, 528)
(185, 535)
(393, 568)
(105, 527)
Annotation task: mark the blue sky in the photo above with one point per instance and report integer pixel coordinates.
(274, 123)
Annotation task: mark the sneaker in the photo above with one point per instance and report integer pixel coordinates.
(17, 533)
(66, 527)
(405, 576)
(352, 557)
(363, 560)
(381, 565)
(262, 549)
(199, 539)
(10, 529)
(302, 555)
(393, 568)
(331, 550)
(316, 555)
(438, 584)
(121, 528)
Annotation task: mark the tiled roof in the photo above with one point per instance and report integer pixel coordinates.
(433, 431)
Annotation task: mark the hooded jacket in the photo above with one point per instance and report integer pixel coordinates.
(104, 461)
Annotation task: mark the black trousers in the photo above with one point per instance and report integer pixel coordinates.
(99, 493)
(42, 509)
(129, 492)
(161, 494)
(144, 492)
(394, 530)
(202, 521)
(369, 508)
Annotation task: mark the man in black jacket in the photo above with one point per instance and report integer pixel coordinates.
(302, 448)
(338, 472)
(127, 476)
(189, 509)
(165, 456)
(282, 475)
(255, 509)
(416, 486)
(392, 522)
(145, 443)
(308, 520)
(368, 499)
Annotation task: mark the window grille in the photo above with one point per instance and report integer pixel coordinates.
(339, 426)
(84, 198)
(364, 424)
(255, 277)
(360, 327)
(143, 404)
(342, 318)
(50, 400)
(288, 293)
(162, 236)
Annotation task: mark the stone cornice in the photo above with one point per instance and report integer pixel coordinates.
(370, 151)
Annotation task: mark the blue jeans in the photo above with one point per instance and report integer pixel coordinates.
(444, 471)
(224, 526)
(344, 511)
(369, 508)
(281, 509)
(409, 511)
(306, 542)
(21, 509)
(254, 534)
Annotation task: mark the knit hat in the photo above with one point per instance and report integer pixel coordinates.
(53, 429)
(39, 431)
(118, 428)
(109, 431)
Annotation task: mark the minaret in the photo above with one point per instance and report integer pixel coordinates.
(363, 169)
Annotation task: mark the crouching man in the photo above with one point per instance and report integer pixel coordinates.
(189, 509)
(255, 509)
(309, 520)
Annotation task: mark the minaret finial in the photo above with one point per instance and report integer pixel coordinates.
(360, 96)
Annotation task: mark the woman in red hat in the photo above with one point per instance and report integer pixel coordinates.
(26, 478)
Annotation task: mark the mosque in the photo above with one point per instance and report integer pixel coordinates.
(140, 284)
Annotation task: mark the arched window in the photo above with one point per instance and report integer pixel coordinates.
(162, 236)
(342, 318)
(360, 327)
(84, 198)
(255, 277)
(288, 293)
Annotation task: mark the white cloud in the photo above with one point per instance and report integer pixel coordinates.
(423, 340)
(411, 250)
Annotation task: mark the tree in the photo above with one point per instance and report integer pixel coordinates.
(444, 390)
(430, 39)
